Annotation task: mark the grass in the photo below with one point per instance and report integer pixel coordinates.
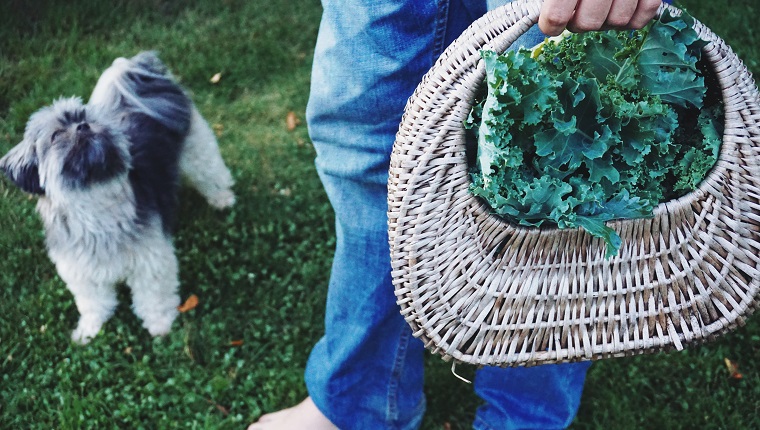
(260, 270)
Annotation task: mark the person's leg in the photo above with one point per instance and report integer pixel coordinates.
(366, 372)
(541, 397)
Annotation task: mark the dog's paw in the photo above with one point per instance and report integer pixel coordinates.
(160, 325)
(85, 331)
(222, 199)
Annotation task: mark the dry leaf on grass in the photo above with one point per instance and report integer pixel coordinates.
(238, 342)
(292, 121)
(218, 129)
(189, 304)
(733, 369)
(219, 407)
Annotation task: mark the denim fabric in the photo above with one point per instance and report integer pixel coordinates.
(367, 370)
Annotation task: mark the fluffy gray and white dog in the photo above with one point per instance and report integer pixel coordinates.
(107, 175)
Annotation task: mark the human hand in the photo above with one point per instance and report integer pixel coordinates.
(587, 15)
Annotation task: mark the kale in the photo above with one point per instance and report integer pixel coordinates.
(595, 127)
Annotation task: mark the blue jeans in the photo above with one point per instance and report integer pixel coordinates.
(367, 370)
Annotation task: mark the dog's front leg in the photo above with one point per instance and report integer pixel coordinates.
(155, 284)
(96, 303)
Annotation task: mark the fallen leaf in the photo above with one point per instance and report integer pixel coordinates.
(189, 353)
(292, 121)
(128, 350)
(238, 342)
(189, 304)
(446, 426)
(219, 407)
(218, 129)
(733, 369)
(216, 78)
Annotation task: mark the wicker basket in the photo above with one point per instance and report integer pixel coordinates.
(479, 290)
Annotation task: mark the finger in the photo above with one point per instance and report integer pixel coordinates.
(589, 15)
(554, 16)
(645, 11)
(621, 13)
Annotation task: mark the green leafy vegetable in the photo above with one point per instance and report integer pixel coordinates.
(596, 127)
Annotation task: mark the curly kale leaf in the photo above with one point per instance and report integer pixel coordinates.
(695, 163)
(667, 62)
(588, 131)
(518, 91)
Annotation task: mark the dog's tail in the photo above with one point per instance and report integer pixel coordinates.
(144, 85)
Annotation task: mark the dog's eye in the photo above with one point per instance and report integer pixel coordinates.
(55, 135)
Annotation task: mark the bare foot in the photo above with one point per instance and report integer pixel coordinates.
(303, 416)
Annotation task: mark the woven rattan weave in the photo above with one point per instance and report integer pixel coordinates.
(479, 290)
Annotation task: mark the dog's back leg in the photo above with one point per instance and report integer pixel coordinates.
(202, 165)
(154, 283)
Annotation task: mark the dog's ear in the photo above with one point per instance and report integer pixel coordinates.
(20, 165)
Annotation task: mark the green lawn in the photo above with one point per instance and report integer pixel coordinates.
(259, 270)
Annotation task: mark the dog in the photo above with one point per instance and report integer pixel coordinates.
(107, 174)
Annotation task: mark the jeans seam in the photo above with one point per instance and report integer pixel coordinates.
(441, 21)
(396, 371)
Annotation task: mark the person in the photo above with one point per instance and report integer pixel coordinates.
(366, 372)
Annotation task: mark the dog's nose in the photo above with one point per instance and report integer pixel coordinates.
(83, 127)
